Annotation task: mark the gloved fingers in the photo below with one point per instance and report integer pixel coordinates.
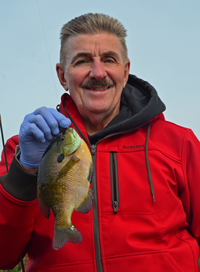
(37, 128)
(63, 121)
(43, 124)
(37, 131)
(53, 118)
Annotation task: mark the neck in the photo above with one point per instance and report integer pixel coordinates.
(96, 123)
(94, 126)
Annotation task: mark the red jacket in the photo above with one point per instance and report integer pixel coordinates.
(126, 230)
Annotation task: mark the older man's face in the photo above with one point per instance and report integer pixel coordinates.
(95, 74)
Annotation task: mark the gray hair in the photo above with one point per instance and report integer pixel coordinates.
(93, 23)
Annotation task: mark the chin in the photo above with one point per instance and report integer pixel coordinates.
(96, 111)
(95, 106)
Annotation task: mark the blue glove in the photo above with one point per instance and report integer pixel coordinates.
(37, 131)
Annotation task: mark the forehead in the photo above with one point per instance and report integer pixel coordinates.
(94, 44)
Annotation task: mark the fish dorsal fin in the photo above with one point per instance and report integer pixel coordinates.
(74, 159)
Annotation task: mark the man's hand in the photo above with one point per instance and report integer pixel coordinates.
(36, 133)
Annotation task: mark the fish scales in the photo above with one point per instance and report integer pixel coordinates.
(63, 184)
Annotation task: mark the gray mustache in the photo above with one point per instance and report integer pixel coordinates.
(104, 82)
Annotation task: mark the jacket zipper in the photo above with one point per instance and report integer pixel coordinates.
(115, 199)
(95, 213)
(114, 181)
(94, 202)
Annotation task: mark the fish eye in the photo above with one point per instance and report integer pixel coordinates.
(62, 138)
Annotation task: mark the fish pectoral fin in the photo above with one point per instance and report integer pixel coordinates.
(63, 172)
(86, 204)
(62, 236)
(45, 210)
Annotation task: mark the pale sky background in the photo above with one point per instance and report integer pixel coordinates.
(163, 43)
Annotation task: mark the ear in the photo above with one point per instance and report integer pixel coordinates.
(126, 71)
(61, 75)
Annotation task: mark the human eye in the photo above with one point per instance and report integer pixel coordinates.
(109, 60)
(81, 61)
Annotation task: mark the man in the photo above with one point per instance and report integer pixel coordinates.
(145, 214)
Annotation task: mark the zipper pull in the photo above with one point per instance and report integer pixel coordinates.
(93, 149)
(115, 207)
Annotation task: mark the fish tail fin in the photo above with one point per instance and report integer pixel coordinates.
(64, 235)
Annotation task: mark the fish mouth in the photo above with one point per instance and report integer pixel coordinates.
(62, 131)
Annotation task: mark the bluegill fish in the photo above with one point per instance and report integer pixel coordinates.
(63, 184)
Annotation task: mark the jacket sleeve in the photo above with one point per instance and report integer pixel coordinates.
(190, 193)
(17, 208)
(10, 147)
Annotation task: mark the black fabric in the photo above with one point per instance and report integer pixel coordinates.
(139, 104)
(19, 183)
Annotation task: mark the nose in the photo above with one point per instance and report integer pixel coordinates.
(97, 70)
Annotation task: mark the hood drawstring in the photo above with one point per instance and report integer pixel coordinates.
(147, 163)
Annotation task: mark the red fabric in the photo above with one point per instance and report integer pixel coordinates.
(144, 235)
(10, 147)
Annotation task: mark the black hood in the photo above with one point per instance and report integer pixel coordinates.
(139, 104)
